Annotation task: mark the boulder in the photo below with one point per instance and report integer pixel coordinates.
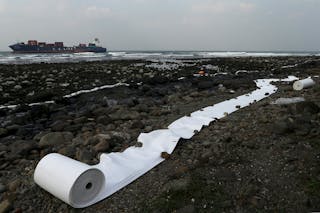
(55, 138)
(5, 206)
(22, 147)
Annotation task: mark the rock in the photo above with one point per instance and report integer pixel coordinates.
(73, 128)
(206, 155)
(38, 111)
(8, 83)
(80, 120)
(3, 147)
(138, 124)
(25, 82)
(165, 155)
(104, 119)
(138, 144)
(69, 151)
(5, 206)
(186, 209)
(307, 107)
(22, 147)
(282, 127)
(102, 146)
(13, 185)
(49, 80)
(145, 88)
(100, 111)
(24, 131)
(101, 137)
(250, 144)
(84, 156)
(38, 136)
(12, 129)
(3, 188)
(55, 138)
(225, 175)
(148, 129)
(221, 88)
(3, 132)
(6, 95)
(59, 125)
(179, 171)
(123, 114)
(17, 87)
(177, 185)
(142, 108)
(195, 94)
(118, 138)
(205, 85)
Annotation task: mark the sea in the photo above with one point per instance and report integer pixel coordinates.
(14, 58)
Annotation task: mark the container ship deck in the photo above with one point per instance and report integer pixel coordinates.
(33, 46)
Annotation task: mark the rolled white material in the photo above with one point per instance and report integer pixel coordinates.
(302, 84)
(73, 182)
(285, 101)
(81, 185)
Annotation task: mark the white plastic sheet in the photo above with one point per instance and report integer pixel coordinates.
(60, 175)
(69, 96)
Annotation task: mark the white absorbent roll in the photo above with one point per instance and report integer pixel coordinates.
(302, 84)
(81, 185)
(73, 182)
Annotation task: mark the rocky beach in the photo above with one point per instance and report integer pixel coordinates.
(262, 158)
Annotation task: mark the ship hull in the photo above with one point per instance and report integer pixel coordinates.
(22, 48)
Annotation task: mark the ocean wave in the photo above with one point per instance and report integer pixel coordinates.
(10, 58)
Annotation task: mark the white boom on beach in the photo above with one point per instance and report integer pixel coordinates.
(81, 185)
(302, 84)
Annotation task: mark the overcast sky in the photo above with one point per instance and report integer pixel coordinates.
(166, 24)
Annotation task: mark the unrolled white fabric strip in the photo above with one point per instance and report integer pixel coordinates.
(81, 185)
(70, 95)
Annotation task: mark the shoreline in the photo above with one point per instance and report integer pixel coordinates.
(250, 160)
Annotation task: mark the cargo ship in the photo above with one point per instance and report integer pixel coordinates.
(33, 46)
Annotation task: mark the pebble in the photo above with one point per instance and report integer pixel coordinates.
(80, 120)
(186, 209)
(3, 188)
(54, 138)
(206, 155)
(13, 185)
(307, 107)
(68, 151)
(104, 119)
(177, 185)
(282, 127)
(17, 87)
(22, 147)
(165, 155)
(59, 125)
(3, 132)
(84, 156)
(5, 206)
(102, 146)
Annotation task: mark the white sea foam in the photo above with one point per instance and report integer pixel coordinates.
(289, 66)
(246, 71)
